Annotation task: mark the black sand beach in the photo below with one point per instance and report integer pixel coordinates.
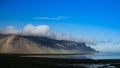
(15, 61)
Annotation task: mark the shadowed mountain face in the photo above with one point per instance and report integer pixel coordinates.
(11, 43)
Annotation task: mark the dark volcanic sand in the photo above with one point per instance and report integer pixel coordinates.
(15, 61)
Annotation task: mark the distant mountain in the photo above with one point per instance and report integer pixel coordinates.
(11, 43)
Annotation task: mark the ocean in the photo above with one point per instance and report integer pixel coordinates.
(100, 60)
(100, 55)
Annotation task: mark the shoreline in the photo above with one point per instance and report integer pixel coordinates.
(48, 53)
(15, 61)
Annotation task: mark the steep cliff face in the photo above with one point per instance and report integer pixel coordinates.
(31, 44)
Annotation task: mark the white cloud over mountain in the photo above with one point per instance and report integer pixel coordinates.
(44, 30)
(40, 30)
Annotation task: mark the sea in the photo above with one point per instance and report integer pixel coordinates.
(94, 56)
(99, 55)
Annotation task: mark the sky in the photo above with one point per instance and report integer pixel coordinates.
(87, 19)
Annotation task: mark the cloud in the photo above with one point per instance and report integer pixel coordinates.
(88, 41)
(105, 41)
(44, 30)
(10, 30)
(52, 18)
(116, 43)
(61, 36)
(108, 42)
(40, 30)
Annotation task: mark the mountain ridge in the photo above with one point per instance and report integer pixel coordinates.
(12, 43)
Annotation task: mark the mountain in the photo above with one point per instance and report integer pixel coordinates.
(11, 43)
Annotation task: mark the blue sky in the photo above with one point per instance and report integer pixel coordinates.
(98, 19)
